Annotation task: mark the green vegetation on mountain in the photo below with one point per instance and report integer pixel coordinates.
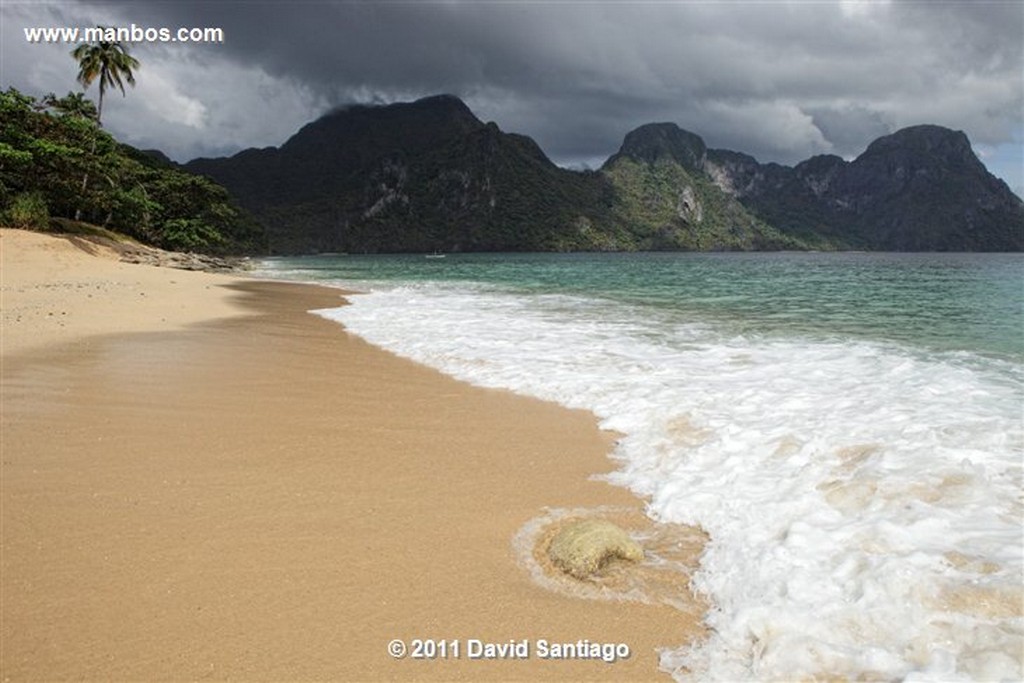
(667, 202)
(428, 175)
(669, 208)
(414, 177)
(57, 163)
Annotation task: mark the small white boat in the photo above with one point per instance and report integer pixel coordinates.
(436, 254)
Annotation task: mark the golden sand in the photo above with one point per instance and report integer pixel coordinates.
(65, 290)
(224, 487)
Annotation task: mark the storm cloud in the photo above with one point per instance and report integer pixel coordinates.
(779, 80)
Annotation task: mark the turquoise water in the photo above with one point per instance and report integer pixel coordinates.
(969, 302)
(848, 429)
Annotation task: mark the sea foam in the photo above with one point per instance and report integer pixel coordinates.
(863, 499)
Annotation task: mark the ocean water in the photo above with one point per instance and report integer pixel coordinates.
(848, 428)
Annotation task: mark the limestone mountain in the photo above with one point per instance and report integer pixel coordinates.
(429, 175)
(667, 200)
(656, 142)
(414, 176)
(919, 189)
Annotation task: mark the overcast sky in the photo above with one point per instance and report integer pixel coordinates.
(779, 80)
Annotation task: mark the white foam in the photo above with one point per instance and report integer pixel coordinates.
(863, 500)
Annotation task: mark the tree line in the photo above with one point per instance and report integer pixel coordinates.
(58, 166)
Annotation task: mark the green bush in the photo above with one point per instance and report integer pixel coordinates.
(189, 234)
(28, 210)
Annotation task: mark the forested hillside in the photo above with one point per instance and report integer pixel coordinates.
(58, 166)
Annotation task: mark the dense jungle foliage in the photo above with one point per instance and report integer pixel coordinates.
(56, 163)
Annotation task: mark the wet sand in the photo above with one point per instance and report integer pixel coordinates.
(263, 497)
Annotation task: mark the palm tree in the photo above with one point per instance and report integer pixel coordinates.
(107, 59)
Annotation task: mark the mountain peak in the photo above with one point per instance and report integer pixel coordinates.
(655, 141)
(447, 109)
(367, 129)
(443, 102)
(925, 140)
(921, 188)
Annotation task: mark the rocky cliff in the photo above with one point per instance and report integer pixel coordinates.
(920, 189)
(666, 199)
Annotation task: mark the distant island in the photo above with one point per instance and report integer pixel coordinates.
(428, 175)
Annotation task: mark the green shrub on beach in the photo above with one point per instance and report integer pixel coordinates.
(28, 210)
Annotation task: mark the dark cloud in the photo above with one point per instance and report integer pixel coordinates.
(779, 80)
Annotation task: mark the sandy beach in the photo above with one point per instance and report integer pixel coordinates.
(203, 481)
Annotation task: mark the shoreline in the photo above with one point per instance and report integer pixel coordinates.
(258, 494)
